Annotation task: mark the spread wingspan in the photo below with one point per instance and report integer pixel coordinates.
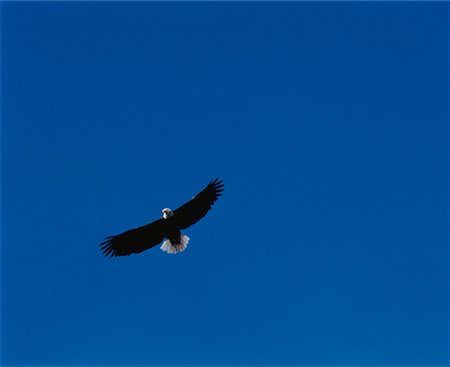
(142, 238)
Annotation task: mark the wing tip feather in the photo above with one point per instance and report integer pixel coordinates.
(217, 185)
(107, 248)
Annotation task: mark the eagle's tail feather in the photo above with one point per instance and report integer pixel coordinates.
(174, 248)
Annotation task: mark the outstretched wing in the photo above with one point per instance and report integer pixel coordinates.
(195, 209)
(135, 240)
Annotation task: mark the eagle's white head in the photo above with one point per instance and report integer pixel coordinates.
(167, 213)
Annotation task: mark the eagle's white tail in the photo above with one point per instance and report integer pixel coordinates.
(170, 248)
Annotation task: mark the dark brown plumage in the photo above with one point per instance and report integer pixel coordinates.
(142, 238)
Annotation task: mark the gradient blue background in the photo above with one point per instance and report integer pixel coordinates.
(328, 124)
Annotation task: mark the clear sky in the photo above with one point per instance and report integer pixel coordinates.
(327, 123)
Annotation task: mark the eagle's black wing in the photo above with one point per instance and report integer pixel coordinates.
(135, 240)
(195, 209)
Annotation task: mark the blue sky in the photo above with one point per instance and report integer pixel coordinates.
(327, 123)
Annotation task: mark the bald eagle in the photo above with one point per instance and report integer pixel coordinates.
(166, 228)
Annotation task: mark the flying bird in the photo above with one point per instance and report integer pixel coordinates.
(167, 228)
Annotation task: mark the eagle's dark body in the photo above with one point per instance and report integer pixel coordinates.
(167, 228)
(173, 232)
